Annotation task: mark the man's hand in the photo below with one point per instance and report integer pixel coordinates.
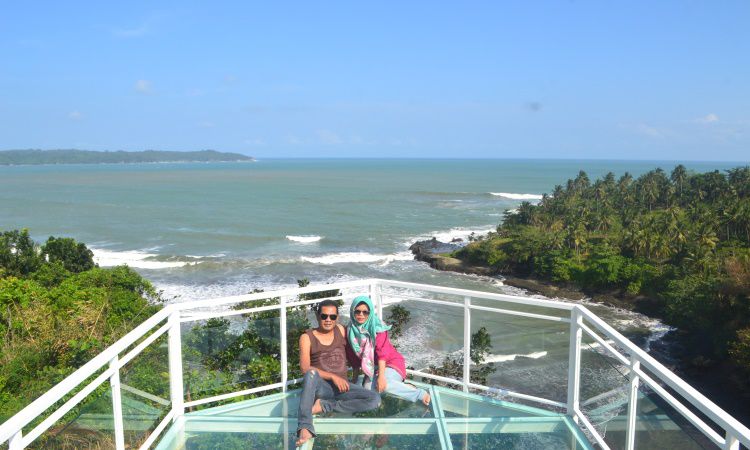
(382, 384)
(341, 384)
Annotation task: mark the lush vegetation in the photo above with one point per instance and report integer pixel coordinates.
(680, 239)
(15, 157)
(57, 311)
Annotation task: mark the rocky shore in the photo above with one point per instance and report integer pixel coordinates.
(438, 255)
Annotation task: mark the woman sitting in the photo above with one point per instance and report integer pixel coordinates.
(371, 352)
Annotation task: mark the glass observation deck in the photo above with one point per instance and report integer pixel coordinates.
(502, 371)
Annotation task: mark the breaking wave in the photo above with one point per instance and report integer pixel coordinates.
(304, 239)
(135, 258)
(513, 196)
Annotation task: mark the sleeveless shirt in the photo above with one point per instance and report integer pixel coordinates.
(331, 358)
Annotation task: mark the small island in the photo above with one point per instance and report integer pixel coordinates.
(39, 157)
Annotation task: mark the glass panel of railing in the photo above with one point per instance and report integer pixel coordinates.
(94, 393)
(224, 355)
(520, 354)
(522, 307)
(537, 434)
(604, 391)
(397, 294)
(430, 337)
(144, 387)
(88, 426)
(331, 434)
(659, 425)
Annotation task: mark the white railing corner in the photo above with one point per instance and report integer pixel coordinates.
(176, 388)
(574, 362)
(467, 343)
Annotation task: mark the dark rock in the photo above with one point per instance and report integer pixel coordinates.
(437, 255)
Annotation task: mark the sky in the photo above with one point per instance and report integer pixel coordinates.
(659, 80)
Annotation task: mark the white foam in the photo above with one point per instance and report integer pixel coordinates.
(304, 239)
(462, 233)
(138, 259)
(358, 257)
(513, 196)
(503, 358)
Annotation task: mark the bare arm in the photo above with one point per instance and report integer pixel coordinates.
(382, 382)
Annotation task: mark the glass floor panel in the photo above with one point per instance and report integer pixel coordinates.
(454, 420)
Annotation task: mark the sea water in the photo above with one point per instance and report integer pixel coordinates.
(203, 230)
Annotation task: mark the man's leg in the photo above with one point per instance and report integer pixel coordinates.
(356, 399)
(314, 388)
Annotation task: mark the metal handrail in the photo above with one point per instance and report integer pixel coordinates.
(110, 362)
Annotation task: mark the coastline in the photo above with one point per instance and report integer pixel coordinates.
(715, 380)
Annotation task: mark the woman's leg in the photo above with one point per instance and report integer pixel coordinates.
(356, 399)
(398, 388)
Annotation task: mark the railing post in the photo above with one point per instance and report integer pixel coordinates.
(176, 388)
(284, 370)
(574, 362)
(284, 362)
(114, 383)
(732, 443)
(632, 404)
(15, 441)
(376, 297)
(467, 343)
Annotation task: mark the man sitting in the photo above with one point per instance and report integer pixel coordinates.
(322, 358)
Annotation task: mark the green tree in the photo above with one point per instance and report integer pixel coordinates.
(74, 256)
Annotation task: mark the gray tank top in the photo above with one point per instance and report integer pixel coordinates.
(331, 358)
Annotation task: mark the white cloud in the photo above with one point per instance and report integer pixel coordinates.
(329, 137)
(293, 140)
(206, 124)
(647, 130)
(138, 31)
(143, 86)
(75, 115)
(710, 118)
(145, 27)
(255, 142)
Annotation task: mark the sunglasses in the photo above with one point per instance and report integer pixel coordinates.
(364, 312)
(326, 316)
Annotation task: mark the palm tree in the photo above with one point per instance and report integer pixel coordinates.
(678, 176)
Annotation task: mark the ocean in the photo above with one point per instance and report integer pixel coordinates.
(204, 230)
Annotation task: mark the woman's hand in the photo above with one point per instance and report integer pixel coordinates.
(382, 384)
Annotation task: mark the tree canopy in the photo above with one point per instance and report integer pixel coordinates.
(680, 238)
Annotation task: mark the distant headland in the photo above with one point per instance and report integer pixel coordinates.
(35, 157)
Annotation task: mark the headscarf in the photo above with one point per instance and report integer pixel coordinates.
(362, 337)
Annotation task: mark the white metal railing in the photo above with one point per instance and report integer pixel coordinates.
(109, 363)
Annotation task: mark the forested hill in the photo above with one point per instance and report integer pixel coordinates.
(17, 157)
(680, 239)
